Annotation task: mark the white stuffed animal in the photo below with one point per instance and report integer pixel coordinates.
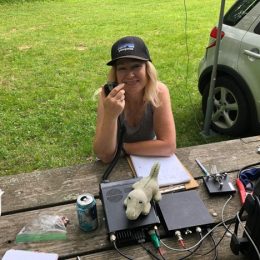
(138, 200)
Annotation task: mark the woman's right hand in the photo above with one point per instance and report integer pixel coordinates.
(114, 102)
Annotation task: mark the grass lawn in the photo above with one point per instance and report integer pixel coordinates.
(53, 56)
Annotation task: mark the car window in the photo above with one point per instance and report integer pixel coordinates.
(238, 11)
(257, 29)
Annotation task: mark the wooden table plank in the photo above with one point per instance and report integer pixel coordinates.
(56, 185)
(86, 243)
(77, 240)
(227, 155)
(65, 184)
(62, 186)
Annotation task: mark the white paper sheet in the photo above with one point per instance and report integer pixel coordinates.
(13, 254)
(171, 169)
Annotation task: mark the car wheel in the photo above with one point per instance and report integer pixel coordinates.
(230, 109)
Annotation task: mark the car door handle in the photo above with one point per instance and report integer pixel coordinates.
(252, 54)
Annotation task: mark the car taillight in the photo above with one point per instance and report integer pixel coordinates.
(213, 34)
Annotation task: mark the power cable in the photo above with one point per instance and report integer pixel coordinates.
(120, 252)
(249, 237)
(216, 244)
(192, 252)
(149, 251)
(222, 214)
(112, 238)
(215, 247)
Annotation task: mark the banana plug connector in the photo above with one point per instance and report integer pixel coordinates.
(155, 238)
(180, 239)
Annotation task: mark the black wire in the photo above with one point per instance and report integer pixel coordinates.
(245, 228)
(111, 166)
(215, 246)
(192, 251)
(120, 252)
(161, 255)
(149, 251)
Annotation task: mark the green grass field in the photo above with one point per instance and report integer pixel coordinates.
(53, 56)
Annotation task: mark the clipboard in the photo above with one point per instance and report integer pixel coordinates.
(136, 164)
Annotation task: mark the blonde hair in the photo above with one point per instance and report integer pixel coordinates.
(151, 89)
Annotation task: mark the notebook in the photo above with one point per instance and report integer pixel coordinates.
(172, 171)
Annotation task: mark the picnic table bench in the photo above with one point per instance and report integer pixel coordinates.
(54, 191)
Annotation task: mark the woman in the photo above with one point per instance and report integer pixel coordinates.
(140, 101)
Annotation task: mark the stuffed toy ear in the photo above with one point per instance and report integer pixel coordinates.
(125, 201)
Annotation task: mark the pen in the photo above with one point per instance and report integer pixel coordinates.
(202, 167)
(172, 189)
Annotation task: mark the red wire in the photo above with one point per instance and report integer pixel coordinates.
(181, 242)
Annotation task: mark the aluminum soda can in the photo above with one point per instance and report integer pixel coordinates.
(87, 212)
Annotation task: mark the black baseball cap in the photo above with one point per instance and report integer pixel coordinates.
(129, 47)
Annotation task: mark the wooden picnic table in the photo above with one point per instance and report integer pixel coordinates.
(54, 192)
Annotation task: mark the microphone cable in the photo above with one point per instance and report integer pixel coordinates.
(122, 130)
